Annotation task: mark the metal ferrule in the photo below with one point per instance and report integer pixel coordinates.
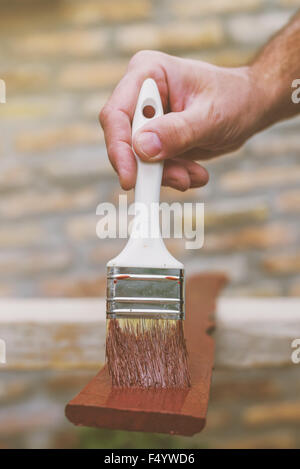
(145, 293)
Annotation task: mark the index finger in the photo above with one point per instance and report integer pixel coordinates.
(116, 118)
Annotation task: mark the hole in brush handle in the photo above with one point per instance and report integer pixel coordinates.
(149, 111)
(149, 108)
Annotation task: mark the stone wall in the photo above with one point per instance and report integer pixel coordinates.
(60, 60)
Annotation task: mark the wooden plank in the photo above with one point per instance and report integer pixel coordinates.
(180, 412)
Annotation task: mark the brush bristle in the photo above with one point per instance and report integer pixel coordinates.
(147, 353)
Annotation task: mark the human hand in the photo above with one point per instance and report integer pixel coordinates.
(210, 111)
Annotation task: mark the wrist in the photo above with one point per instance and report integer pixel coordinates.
(265, 93)
(273, 90)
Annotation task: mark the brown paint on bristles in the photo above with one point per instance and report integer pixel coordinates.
(147, 353)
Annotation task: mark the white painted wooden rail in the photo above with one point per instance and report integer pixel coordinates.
(70, 333)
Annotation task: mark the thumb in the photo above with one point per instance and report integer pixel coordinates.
(167, 136)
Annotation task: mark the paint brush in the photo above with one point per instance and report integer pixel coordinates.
(145, 345)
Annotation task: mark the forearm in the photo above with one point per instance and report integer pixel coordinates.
(274, 69)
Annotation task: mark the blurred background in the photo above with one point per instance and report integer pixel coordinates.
(60, 60)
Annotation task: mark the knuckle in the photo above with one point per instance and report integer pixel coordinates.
(137, 57)
(103, 115)
(183, 132)
(142, 56)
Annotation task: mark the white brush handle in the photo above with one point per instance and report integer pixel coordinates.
(148, 251)
(148, 182)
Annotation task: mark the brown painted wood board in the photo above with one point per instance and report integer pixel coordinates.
(180, 412)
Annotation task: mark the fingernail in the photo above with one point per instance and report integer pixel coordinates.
(149, 144)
